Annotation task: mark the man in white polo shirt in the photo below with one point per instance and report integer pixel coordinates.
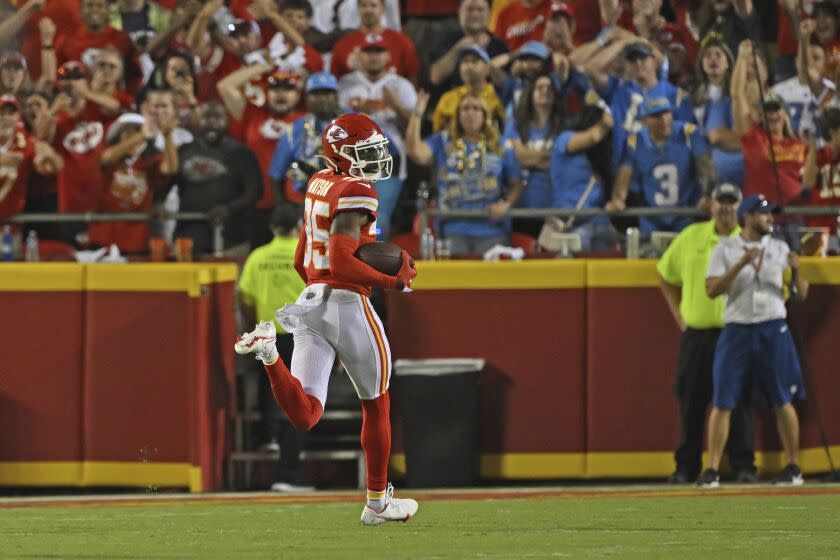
(755, 347)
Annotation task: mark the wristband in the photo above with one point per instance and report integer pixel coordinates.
(601, 39)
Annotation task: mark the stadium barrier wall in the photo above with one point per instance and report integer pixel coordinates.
(580, 363)
(112, 375)
(121, 375)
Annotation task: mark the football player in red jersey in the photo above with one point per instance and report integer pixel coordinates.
(333, 315)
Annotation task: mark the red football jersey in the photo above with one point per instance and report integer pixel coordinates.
(759, 179)
(79, 142)
(327, 194)
(15, 198)
(260, 130)
(827, 190)
(129, 187)
(403, 56)
(517, 24)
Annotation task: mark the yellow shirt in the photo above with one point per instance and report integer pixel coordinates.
(269, 279)
(448, 105)
(685, 264)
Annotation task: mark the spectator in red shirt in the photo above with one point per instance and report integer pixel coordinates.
(133, 169)
(41, 195)
(88, 40)
(106, 100)
(78, 135)
(560, 28)
(20, 154)
(521, 21)
(789, 150)
(822, 172)
(346, 50)
(260, 128)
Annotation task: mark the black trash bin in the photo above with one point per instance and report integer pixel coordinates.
(438, 403)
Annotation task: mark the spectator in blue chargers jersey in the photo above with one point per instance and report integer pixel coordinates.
(528, 137)
(471, 172)
(531, 60)
(626, 96)
(807, 92)
(713, 108)
(296, 154)
(662, 165)
(581, 173)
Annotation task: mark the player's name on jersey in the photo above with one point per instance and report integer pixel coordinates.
(285, 265)
(320, 187)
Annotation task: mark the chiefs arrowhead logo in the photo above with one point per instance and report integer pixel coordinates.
(336, 133)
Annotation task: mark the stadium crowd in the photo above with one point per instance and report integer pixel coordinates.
(218, 106)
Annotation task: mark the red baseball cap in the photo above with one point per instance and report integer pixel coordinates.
(562, 8)
(374, 41)
(9, 100)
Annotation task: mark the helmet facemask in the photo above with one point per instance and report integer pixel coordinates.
(369, 159)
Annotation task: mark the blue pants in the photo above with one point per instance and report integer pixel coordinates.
(762, 354)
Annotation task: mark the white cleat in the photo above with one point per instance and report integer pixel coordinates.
(395, 510)
(259, 341)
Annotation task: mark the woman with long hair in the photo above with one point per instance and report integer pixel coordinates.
(581, 177)
(713, 107)
(538, 119)
(758, 118)
(472, 174)
(176, 72)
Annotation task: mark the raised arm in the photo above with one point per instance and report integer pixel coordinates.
(10, 26)
(195, 35)
(742, 97)
(267, 9)
(46, 161)
(125, 148)
(231, 88)
(416, 149)
(170, 163)
(49, 66)
(582, 141)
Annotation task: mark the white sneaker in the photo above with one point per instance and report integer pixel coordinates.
(394, 510)
(259, 341)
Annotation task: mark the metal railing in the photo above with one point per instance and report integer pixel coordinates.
(91, 217)
(627, 213)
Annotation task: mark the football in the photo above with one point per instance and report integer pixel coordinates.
(382, 256)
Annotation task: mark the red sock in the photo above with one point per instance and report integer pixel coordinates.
(376, 440)
(303, 410)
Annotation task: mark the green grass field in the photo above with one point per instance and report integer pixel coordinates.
(645, 525)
